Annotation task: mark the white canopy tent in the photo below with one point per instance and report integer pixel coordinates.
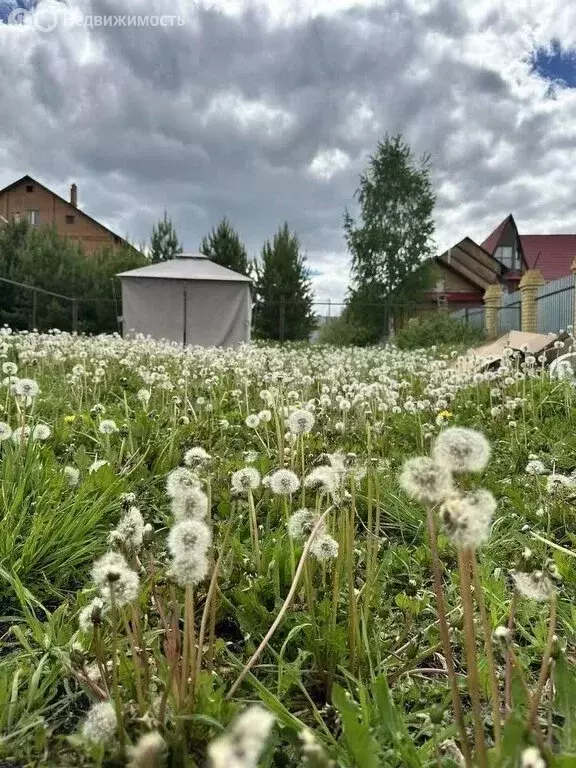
(190, 299)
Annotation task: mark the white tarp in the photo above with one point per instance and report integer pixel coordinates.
(208, 311)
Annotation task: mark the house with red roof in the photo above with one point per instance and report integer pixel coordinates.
(467, 269)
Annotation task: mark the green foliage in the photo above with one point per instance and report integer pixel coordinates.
(392, 238)
(224, 247)
(39, 257)
(283, 308)
(436, 328)
(343, 331)
(164, 243)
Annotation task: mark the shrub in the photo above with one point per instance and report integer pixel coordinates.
(438, 328)
(342, 332)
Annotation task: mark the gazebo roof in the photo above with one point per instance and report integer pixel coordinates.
(187, 266)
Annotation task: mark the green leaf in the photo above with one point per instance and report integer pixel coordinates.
(393, 723)
(362, 745)
(513, 740)
(565, 701)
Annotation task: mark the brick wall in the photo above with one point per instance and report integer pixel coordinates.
(26, 197)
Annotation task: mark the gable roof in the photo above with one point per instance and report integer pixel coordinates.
(551, 254)
(491, 242)
(28, 178)
(189, 267)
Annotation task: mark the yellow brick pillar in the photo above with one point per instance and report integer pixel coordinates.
(492, 302)
(531, 281)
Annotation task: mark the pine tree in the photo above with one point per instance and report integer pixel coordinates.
(224, 247)
(283, 290)
(393, 238)
(164, 243)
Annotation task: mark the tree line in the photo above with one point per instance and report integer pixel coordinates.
(389, 240)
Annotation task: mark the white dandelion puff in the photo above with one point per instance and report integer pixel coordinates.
(425, 480)
(196, 457)
(100, 723)
(10, 369)
(253, 421)
(5, 431)
(72, 476)
(533, 586)
(189, 538)
(244, 741)
(284, 482)
(107, 427)
(300, 422)
(301, 524)
(96, 465)
(531, 758)
(535, 467)
(324, 547)
(116, 580)
(190, 505)
(180, 480)
(41, 432)
(91, 615)
(147, 751)
(245, 479)
(27, 388)
(461, 449)
(21, 434)
(130, 529)
(467, 519)
(322, 479)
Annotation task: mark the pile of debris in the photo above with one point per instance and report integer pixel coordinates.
(553, 346)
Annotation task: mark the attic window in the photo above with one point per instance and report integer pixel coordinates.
(29, 188)
(508, 256)
(70, 218)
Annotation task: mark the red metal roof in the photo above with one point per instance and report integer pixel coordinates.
(493, 239)
(551, 254)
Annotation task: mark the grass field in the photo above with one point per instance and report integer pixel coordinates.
(230, 556)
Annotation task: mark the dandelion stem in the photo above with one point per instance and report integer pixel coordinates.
(445, 637)
(115, 683)
(464, 564)
(352, 608)
(254, 529)
(137, 664)
(489, 650)
(545, 666)
(509, 659)
(286, 605)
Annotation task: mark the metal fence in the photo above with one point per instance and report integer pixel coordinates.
(474, 317)
(509, 316)
(555, 303)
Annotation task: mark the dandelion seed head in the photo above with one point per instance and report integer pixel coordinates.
(130, 529)
(10, 369)
(425, 480)
(26, 388)
(189, 569)
(243, 743)
(116, 580)
(5, 431)
(190, 505)
(72, 476)
(189, 538)
(284, 482)
(196, 457)
(535, 467)
(91, 615)
(107, 427)
(100, 723)
(180, 480)
(531, 758)
(533, 586)
(322, 479)
(147, 751)
(324, 547)
(301, 524)
(461, 449)
(245, 479)
(253, 421)
(467, 519)
(300, 422)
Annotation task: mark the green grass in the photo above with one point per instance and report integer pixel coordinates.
(357, 656)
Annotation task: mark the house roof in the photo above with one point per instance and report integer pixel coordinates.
(551, 254)
(28, 178)
(493, 238)
(187, 267)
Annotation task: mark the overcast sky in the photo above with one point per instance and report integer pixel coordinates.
(266, 112)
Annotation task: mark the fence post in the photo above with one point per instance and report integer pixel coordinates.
(74, 315)
(531, 281)
(492, 302)
(282, 320)
(34, 309)
(573, 268)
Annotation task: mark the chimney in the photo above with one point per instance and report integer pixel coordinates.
(74, 195)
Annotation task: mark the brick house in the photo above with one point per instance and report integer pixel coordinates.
(27, 199)
(466, 269)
